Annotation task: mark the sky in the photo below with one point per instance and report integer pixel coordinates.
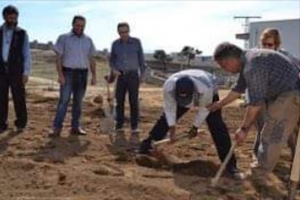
(167, 25)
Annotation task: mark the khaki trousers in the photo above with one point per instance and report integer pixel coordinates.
(281, 118)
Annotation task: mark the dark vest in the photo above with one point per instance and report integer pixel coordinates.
(15, 62)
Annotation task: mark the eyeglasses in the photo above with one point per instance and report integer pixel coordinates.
(123, 32)
(182, 94)
(268, 45)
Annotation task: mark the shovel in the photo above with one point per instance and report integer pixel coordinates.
(157, 151)
(107, 123)
(215, 180)
(159, 143)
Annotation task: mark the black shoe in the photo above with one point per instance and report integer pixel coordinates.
(235, 174)
(78, 131)
(145, 147)
(119, 130)
(19, 130)
(2, 130)
(55, 133)
(118, 127)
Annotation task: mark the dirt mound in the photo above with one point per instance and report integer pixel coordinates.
(202, 168)
(148, 161)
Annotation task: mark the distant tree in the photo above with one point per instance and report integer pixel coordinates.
(189, 53)
(161, 56)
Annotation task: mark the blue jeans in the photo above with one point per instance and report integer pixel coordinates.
(75, 83)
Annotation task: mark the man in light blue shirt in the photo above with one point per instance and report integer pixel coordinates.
(15, 66)
(75, 53)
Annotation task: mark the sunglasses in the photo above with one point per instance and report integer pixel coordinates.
(268, 44)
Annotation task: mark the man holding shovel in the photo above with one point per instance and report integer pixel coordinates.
(127, 64)
(272, 82)
(182, 90)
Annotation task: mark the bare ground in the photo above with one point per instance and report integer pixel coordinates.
(33, 166)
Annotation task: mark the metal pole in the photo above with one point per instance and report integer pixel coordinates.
(247, 26)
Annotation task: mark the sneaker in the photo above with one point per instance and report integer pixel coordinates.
(235, 174)
(134, 142)
(55, 133)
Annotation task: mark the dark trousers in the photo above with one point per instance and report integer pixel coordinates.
(216, 127)
(17, 87)
(127, 82)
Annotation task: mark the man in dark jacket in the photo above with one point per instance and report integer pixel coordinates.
(15, 65)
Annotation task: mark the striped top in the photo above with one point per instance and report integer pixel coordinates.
(266, 74)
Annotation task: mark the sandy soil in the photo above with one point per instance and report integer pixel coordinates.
(35, 167)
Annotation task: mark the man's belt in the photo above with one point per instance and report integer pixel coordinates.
(67, 69)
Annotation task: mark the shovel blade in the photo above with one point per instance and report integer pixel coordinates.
(107, 123)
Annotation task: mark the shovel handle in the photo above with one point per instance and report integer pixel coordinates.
(295, 172)
(215, 180)
(167, 140)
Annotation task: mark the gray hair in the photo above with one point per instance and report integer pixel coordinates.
(226, 50)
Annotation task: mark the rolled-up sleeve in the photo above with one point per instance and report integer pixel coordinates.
(27, 55)
(59, 45)
(201, 116)
(258, 85)
(240, 85)
(203, 112)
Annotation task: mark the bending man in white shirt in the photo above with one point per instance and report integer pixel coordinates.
(183, 90)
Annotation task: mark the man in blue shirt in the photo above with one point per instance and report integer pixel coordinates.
(128, 65)
(15, 66)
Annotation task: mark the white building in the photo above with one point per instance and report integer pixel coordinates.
(289, 30)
